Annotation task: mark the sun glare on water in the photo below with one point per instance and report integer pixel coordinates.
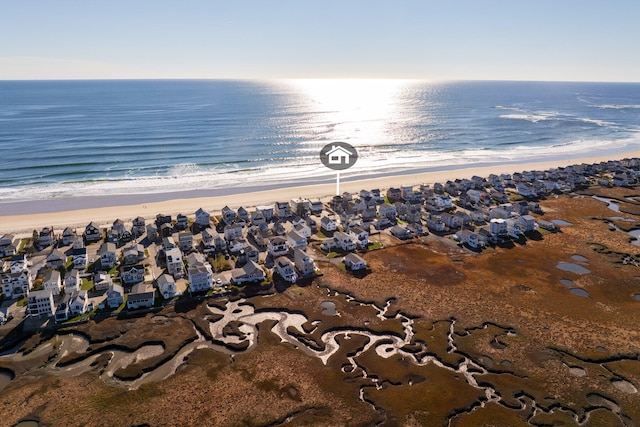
(356, 110)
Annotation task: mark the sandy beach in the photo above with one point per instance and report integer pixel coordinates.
(60, 216)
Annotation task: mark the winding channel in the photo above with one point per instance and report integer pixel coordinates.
(289, 328)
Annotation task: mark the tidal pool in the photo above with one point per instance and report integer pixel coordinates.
(579, 292)
(329, 308)
(577, 257)
(574, 268)
(566, 282)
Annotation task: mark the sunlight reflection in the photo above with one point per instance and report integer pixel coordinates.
(361, 111)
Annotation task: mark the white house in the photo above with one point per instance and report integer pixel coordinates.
(250, 272)
(498, 226)
(344, 241)
(277, 246)
(175, 267)
(78, 302)
(17, 285)
(200, 277)
(72, 281)
(80, 258)
(40, 303)
(267, 212)
(52, 282)
(470, 238)
(68, 234)
(115, 296)
(303, 262)
(131, 274)
(328, 224)
(141, 296)
(303, 230)
(237, 245)
(167, 286)
(102, 281)
(133, 254)
(360, 236)
(354, 262)
(285, 269)
(527, 223)
(388, 211)
(296, 241)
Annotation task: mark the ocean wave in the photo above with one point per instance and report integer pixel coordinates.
(531, 117)
(618, 106)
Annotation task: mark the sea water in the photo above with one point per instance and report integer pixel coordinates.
(63, 139)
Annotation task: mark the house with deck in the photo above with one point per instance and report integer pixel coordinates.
(40, 303)
(102, 281)
(107, 254)
(277, 246)
(72, 281)
(56, 259)
(203, 219)
(304, 263)
(115, 296)
(141, 296)
(354, 262)
(17, 285)
(175, 267)
(250, 272)
(52, 282)
(130, 274)
(78, 303)
(285, 269)
(167, 286)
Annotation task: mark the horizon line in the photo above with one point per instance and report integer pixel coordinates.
(417, 79)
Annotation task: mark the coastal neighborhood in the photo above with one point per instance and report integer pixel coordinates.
(61, 275)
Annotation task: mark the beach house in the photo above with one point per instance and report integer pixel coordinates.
(285, 269)
(92, 233)
(203, 219)
(56, 259)
(130, 274)
(167, 286)
(40, 303)
(78, 303)
(175, 267)
(115, 296)
(354, 262)
(16, 285)
(107, 254)
(228, 215)
(303, 262)
(141, 296)
(277, 246)
(250, 272)
(72, 281)
(52, 282)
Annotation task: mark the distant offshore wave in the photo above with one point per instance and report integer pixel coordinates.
(63, 139)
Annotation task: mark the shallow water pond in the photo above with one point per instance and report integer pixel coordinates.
(579, 292)
(566, 282)
(574, 268)
(577, 257)
(329, 308)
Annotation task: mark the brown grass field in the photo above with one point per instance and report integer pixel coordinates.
(552, 357)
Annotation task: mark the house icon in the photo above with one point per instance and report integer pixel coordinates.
(338, 155)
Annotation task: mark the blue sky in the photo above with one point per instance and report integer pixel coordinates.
(447, 39)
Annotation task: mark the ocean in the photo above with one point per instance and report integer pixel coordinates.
(65, 139)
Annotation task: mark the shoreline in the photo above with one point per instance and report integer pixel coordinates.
(23, 217)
